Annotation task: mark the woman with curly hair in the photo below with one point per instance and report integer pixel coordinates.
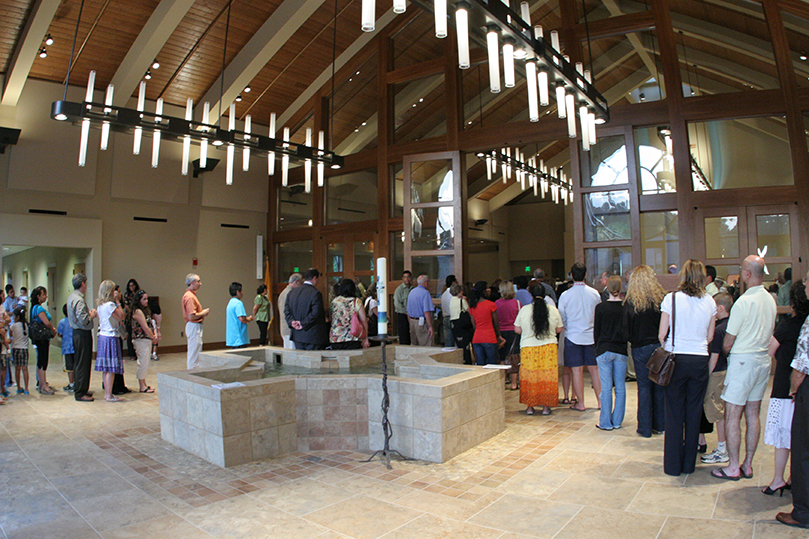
(783, 343)
(641, 324)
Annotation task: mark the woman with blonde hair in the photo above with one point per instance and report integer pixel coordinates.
(641, 326)
(108, 352)
(688, 318)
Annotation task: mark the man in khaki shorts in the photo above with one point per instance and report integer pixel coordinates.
(749, 330)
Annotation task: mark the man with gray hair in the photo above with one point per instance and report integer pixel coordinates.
(420, 313)
(80, 319)
(193, 314)
(539, 273)
(747, 338)
(295, 280)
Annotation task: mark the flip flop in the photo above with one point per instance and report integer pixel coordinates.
(147, 390)
(549, 412)
(577, 409)
(746, 476)
(719, 473)
(566, 401)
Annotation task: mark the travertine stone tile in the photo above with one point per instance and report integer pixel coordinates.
(363, 518)
(437, 527)
(695, 502)
(167, 526)
(302, 496)
(688, 528)
(106, 512)
(595, 491)
(597, 523)
(528, 516)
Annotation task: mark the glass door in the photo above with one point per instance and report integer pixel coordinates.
(727, 235)
(350, 255)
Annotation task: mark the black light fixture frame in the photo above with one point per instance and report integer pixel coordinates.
(124, 120)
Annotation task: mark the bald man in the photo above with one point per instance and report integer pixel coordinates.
(747, 337)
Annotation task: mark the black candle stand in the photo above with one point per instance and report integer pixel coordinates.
(386, 451)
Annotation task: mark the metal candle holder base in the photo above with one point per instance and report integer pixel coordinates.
(386, 451)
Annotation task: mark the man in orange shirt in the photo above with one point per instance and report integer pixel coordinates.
(193, 314)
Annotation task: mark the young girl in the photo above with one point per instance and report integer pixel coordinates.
(108, 355)
(19, 347)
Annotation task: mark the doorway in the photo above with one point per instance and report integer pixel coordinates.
(350, 256)
(726, 235)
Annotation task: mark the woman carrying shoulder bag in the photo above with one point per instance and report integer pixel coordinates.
(689, 332)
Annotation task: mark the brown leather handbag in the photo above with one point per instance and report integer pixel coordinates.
(661, 364)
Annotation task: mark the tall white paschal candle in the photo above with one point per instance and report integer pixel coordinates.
(382, 295)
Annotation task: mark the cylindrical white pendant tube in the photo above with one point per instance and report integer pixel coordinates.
(560, 101)
(368, 15)
(508, 63)
(271, 155)
(585, 127)
(399, 6)
(156, 136)
(531, 83)
(321, 166)
(494, 60)
(440, 18)
(462, 29)
(105, 127)
(570, 106)
(542, 81)
(248, 123)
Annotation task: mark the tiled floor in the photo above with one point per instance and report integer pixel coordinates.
(80, 470)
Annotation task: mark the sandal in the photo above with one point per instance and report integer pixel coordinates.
(566, 401)
(147, 390)
(719, 473)
(547, 412)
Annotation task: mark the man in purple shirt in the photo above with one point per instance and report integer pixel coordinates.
(420, 313)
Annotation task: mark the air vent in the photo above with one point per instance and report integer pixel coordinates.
(229, 225)
(151, 219)
(47, 212)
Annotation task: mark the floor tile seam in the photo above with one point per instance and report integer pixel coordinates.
(566, 524)
(421, 514)
(662, 526)
(501, 494)
(548, 496)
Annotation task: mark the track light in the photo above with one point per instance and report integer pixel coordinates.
(247, 89)
(238, 98)
(49, 41)
(155, 64)
(148, 74)
(43, 53)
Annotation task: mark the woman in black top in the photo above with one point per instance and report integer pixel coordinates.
(783, 343)
(611, 356)
(641, 325)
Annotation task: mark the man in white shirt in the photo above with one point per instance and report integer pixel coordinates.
(747, 338)
(577, 307)
(449, 341)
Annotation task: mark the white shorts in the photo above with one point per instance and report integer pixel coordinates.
(746, 379)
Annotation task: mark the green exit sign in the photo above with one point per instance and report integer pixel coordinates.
(527, 269)
(296, 270)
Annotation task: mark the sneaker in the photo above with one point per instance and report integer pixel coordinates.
(68, 387)
(20, 391)
(715, 457)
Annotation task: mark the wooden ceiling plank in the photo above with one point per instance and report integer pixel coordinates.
(344, 58)
(264, 44)
(147, 45)
(26, 52)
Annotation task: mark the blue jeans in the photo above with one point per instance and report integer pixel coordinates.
(650, 395)
(612, 371)
(485, 353)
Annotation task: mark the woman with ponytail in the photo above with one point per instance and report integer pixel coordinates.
(538, 325)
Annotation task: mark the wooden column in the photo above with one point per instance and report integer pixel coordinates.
(679, 131)
(795, 127)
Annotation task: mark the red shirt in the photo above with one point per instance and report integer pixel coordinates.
(484, 328)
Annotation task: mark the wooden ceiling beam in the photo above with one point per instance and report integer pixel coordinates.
(339, 63)
(27, 49)
(162, 23)
(261, 48)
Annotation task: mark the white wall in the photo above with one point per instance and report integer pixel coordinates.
(102, 199)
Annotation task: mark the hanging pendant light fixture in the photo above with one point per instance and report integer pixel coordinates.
(538, 177)
(184, 130)
(520, 41)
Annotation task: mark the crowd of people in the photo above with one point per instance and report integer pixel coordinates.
(722, 337)
(129, 317)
